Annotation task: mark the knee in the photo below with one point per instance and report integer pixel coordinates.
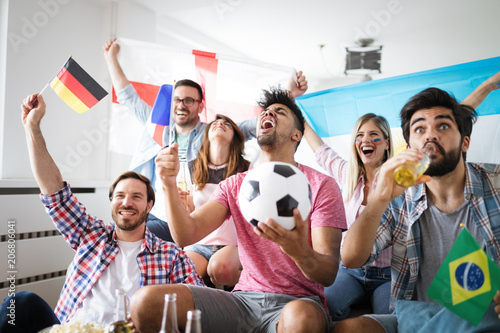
(223, 273)
(141, 305)
(302, 316)
(359, 324)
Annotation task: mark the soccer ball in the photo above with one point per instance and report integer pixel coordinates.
(273, 190)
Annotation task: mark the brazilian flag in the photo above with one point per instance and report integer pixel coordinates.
(467, 280)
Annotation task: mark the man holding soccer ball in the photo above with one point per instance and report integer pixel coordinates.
(284, 271)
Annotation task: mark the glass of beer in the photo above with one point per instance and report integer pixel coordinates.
(407, 174)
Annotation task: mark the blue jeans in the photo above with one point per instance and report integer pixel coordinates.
(25, 312)
(159, 228)
(359, 286)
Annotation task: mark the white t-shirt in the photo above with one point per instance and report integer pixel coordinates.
(123, 272)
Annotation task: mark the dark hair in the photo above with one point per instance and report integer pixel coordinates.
(465, 116)
(135, 175)
(190, 83)
(236, 163)
(276, 95)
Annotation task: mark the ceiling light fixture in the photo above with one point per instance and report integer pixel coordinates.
(364, 58)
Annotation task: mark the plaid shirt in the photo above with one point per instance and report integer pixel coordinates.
(399, 226)
(96, 247)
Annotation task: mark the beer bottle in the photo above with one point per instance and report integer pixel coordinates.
(120, 323)
(169, 321)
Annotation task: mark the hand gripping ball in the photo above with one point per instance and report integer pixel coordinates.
(273, 190)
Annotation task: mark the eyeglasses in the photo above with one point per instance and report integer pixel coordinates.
(188, 101)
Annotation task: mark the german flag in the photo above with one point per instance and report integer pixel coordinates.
(76, 87)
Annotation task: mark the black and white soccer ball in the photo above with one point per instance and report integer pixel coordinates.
(273, 190)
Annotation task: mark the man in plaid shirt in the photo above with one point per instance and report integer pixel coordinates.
(423, 222)
(108, 256)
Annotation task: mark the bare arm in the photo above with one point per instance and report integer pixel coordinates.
(360, 238)
(186, 229)
(481, 92)
(45, 170)
(118, 78)
(312, 137)
(318, 263)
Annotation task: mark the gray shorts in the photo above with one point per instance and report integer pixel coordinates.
(389, 322)
(242, 311)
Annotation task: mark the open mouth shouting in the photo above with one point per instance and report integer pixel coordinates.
(267, 123)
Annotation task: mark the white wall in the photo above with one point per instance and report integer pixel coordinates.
(41, 36)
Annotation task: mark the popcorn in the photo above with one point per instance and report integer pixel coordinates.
(79, 327)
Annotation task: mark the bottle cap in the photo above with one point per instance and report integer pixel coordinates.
(194, 314)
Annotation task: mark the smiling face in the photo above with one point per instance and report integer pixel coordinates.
(222, 130)
(371, 145)
(186, 116)
(129, 205)
(436, 126)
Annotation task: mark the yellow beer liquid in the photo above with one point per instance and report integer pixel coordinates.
(184, 187)
(407, 174)
(119, 327)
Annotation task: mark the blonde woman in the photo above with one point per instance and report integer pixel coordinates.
(371, 145)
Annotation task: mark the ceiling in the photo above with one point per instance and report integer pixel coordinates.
(312, 35)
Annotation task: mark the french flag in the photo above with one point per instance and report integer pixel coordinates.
(332, 113)
(161, 115)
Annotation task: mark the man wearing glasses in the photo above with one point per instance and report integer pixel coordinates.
(187, 132)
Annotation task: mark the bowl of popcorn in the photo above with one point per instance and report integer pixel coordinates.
(77, 327)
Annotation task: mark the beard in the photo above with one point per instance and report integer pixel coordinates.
(267, 142)
(274, 140)
(132, 225)
(447, 164)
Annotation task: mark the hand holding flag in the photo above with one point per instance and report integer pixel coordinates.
(467, 280)
(33, 110)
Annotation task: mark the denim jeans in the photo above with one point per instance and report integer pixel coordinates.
(423, 317)
(359, 286)
(159, 228)
(25, 312)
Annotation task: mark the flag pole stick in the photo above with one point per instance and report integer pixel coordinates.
(41, 91)
(171, 118)
(45, 87)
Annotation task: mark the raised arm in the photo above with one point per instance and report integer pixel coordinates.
(481, 92)
(360, 238)
(312, 137)
(186, 229)
(118, 78)
(45, 170)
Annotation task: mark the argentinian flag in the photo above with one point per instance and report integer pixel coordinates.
(332, 113)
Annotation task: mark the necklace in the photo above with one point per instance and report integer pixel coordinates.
(217, 166)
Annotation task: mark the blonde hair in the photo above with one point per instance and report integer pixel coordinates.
(356, 166)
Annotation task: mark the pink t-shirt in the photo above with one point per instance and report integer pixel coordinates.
(265, 267)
